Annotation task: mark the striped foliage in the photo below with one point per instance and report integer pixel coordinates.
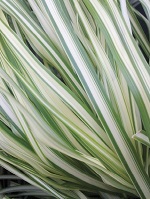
(75, 97)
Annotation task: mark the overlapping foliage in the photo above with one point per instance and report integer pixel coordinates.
(75, 96)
